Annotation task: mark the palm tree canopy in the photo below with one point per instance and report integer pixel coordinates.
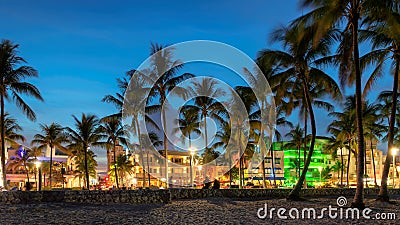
(87, 131)
(12, 129)
(52, 136)
(12, 76)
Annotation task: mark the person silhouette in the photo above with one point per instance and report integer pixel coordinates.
(207, 183)
(217, 184)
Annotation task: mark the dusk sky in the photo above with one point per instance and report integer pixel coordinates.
(81, 47)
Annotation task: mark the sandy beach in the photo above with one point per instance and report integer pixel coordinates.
(199, 211)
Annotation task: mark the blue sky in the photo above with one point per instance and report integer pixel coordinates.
(81, 47)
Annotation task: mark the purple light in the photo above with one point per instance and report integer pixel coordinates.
(21, 151)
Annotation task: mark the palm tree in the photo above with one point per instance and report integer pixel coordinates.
(385, 40)
(344, 130)
(296, 100)
(84, 165)
(337, 167)
(258, 103)
(296, 141)
(188, 123)
(12, 84)
(87, 133)
(297, 70)
(118, 99)
(223, 136)
(333, 14)
(52, 136)
(135, 101)
(373, 130)
(114, 132)
(207, 105)
(163, 75)
(152, 140)
(22, 160)
(12, 130)
(123, 166)
(336, 142)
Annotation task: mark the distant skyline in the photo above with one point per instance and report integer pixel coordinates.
(81, 47)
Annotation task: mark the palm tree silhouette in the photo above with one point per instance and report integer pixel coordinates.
(12, 84)
(87, 133)
(297, 70)
(52, 136)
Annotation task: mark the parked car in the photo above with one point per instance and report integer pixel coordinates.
(15, 188)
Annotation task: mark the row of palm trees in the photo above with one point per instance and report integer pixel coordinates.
(295, 74)
(307, 44)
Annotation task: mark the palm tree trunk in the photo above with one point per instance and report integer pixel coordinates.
(365, 167)
(305, 143)
(373, 163)
(51, 166)
(141, 152)
(27, 176)
(36, 181)
(348, 168)
(298, 151)
(240, 161)
(86, 168)
(358, 201)
(3, 142)
(148, 165)
(165, 141)
(205, 131)
(341, 167)
(115, 166)
(383, 192)
(295, 193)
(273, 165)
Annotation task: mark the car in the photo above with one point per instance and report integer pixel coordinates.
(15, 188)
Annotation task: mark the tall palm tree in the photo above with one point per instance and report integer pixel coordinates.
(299, 64)
(208, 105)
(296, 141)
(12, 84)
(52, 136)
(384, 36)
(348, 14)
(114, 132)
(296, 100)
(87, 133)
(164, 76)
(134, 103)
(261, 107)
(119, 98)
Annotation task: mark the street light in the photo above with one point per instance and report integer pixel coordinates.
(192, 151)
(39, 185)
(394, 152)
(320, 175)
